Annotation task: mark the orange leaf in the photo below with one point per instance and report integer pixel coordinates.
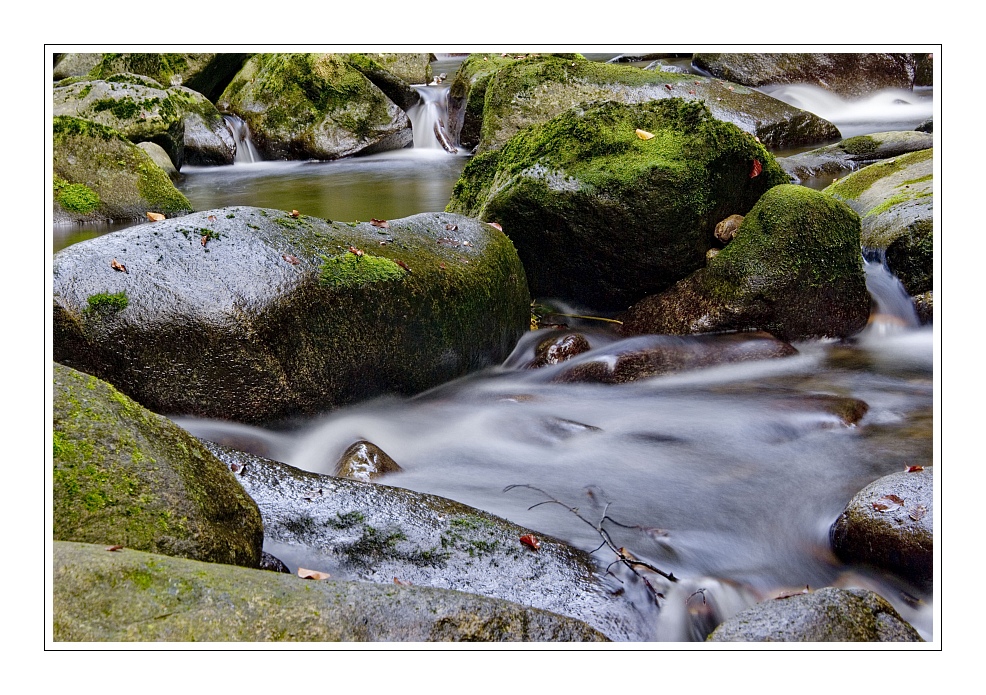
(403, 265)
(293, 260)
(113, 548)
(531, 540)
(211, 218)
(312, 574)
(668, 87)
(918, 512)
(757, 168)
(495, 225)
(155, 216)
(643, 134)
(914, 469)
(295, 213)
(205, 239)
(380, 223)
(400, 583)
(354, 250)
(116, 265)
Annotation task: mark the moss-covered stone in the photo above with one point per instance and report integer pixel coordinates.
(207, 73)
(130, 596)
(895, 199)
(849, 155)
(794, 269)
(313, 106)
(275, 316)
(99, 175)
(125, 476)
(604, 217)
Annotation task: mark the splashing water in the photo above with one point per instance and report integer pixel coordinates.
(246, 152)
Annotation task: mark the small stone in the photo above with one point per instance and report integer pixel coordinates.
(365, 461)
(726, 230)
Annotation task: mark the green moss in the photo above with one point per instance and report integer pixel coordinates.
(889, 203)
(67, 126)
(926, 177)
(124, 109)
(156, 188)
(107, 303)
(76, 197)
(350, 269)
(861, 145)
(857, 183)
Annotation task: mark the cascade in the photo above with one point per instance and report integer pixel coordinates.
(246, 153)
(893, 311)
(428, 119)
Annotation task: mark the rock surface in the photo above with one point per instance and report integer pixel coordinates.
(854, 153)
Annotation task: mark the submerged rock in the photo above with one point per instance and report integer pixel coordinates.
(558, 349)
(794, 269)
(374, 532)
(598, 214)
(125, 476)
(826, 615)
(365, 461)
(313, 106)
(253, 314)
(890, 524)
(99, 176)
(130, 596)
(846, 74)
(895, 199)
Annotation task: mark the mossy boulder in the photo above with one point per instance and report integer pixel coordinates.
(131, 596)
(74, 64)
(890, 524)
(794, 270)
(125, 476)
(895, 199)
(207, 73)
(313, 106)
(252, 314)
(99, 175)
(535, 89)
(853, 153)
(846, 74)
(826, 615)
(180, 120)
(374, 532)
(393, 74)
(603, 217)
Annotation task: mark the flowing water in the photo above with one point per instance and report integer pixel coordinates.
(729, 476)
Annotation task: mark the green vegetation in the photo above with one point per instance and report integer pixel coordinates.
(350, 269)
(859, 182)
(76, 197)
(107, 303)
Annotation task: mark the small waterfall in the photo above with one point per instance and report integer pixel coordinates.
(893, 311)
(246, 153)
(428, 119)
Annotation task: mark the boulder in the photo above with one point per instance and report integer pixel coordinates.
(74, 64)
(207, 73)
(99, 176)
(373, 532)
(895, 199)
(379, 68)
(125, 476)
(313, 106)
(890, 524)
(847, 74)
(365, 461)
(535, 89)
(131, 596)
(604, 217)
(825, 615)
(161, 158)
(254, 314)
(794, 269)
(924, 305)
(853, 153)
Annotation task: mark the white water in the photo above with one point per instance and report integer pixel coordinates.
(246, 152)
(428, 118)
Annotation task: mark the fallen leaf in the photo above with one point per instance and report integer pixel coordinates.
(211, 218)
(794, 593)
(114, 548)
(155, 216)
(442, 266)
(531, 540)
(918, 512)
(495, 225)
(757, 168)
(293, 260)
(205, 239)
(295, 213)
(356, 251)
(667, 87)
(400, 583)
(403, 265)
(730, 89)
(697, 82)
(116, 265)
(691, 91)
(914, 469)
(886, 502)
(312, 574)
(234, 467)
(452, 227)
(380, 223)
(643, 134)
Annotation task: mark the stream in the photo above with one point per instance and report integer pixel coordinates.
(729, 476)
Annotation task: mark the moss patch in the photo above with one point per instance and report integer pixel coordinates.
(350, 269)
(76, 197)
(108, 303)
(857, 183)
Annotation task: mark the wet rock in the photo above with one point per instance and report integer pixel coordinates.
(130, 596)
(895, 199)
(826, 615)
(365, 461)
(600, 219)
(377, 533)
(272, 564)
(890, 524)
(649, 356)
(100, 176)
(924, 305)
(253, 314)
(711, 253)
(853, 153)
(559, 349)
(846, 74)
(125, 476)
(161, 158)
(726, 230)
(927, 126)
(537, 88)
(794, 270)
(394, 73)
(849, 411)
(74, 64)
(206, 73)
(313, 106)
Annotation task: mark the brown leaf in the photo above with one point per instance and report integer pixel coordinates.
(155, 216)
(918, 512)
(293, 260)
(495, 225)
(531, 540)
(211, 218)
(354, 250)
(312, 574)
(794, 593)
(205, 239)
(295, 213)
(757, 168)
(400, 583)
(668, 87)
(643, 134)
(914, 469)
(403, 265)
(886, 502)
(234, 467)
(116, 265)
(114, 548)
(380, 223)
(452, 227)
